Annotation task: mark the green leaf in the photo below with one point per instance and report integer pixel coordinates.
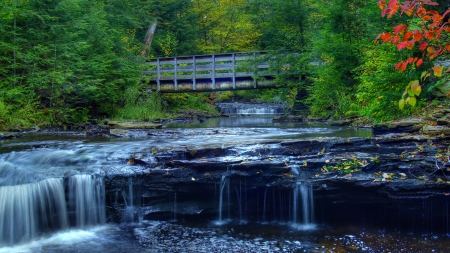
(401, 103)
(412, 101)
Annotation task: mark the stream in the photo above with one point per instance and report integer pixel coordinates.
(65, 192)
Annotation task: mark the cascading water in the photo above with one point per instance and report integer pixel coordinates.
(29, 209)
(250, 109)
(223, 182)
(303, 192)
(132, 212)
(86, 200)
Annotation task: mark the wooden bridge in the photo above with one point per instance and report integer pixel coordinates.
(216, 72)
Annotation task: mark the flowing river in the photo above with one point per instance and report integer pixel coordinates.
(55, 196)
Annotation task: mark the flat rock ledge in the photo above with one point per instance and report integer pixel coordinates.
(435, 124)
(132, 125)
(9, 135)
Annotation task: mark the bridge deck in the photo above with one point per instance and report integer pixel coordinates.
(217, 72)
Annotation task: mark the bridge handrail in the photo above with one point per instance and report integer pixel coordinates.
(225, 65)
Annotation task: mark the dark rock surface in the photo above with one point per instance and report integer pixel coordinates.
(397, 166)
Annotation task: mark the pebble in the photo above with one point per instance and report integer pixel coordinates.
(157, 236)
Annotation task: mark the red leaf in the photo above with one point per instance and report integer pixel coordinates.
(400, 28)
(404, 66)
(386, 37)
(423, 46)
(410, 44)
(381, 4)
(401, 45)
(429, 35)
(408, 35)
(395, 40)
(417, 35)
(419, 62)
(420, 11)
(445, 13)
(398, 65)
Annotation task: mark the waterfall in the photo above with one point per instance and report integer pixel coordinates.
(264, 205)
(132, 210)
(29, 209)
(223, 182)
(175, 207)
(250, 109)
(304, 193)
(86, 200)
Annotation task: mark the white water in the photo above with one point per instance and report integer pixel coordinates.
(223, 181)
(31, 210)
(86, 200)
(303, 193)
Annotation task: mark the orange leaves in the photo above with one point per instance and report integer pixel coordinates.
(429, 35)
(419, 62)
(391, 9)
(400, 29)
(437, 71)
(381, 4)
(423, 46)
(405, 44)
(402, 65)
(430, 38)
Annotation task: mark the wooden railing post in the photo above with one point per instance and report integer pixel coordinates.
(213, 72)
(175, 72)
(158, 75)
(233, 57)
(255, 70)
(194, 74)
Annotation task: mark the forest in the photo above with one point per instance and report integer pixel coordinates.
(64, 62)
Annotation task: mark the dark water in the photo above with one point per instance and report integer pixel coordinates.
(36, 157)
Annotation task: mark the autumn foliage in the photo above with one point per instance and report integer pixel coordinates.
(430, 37)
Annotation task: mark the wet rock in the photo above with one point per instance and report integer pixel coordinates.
(9, 135)
(436, 130)
(132, 125)
(400, 126)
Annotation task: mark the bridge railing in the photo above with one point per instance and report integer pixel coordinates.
(210, 72)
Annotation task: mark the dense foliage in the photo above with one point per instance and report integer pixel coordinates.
(62, 62)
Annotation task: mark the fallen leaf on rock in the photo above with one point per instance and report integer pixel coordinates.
(193, 179)
(402, 174)
(439, 180)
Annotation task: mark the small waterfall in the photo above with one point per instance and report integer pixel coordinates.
(175, 207)
(29, 209)
(264, 204)
(132, 212)
(86, 200)
(250, 109)
(223, 182)
(303, 192)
